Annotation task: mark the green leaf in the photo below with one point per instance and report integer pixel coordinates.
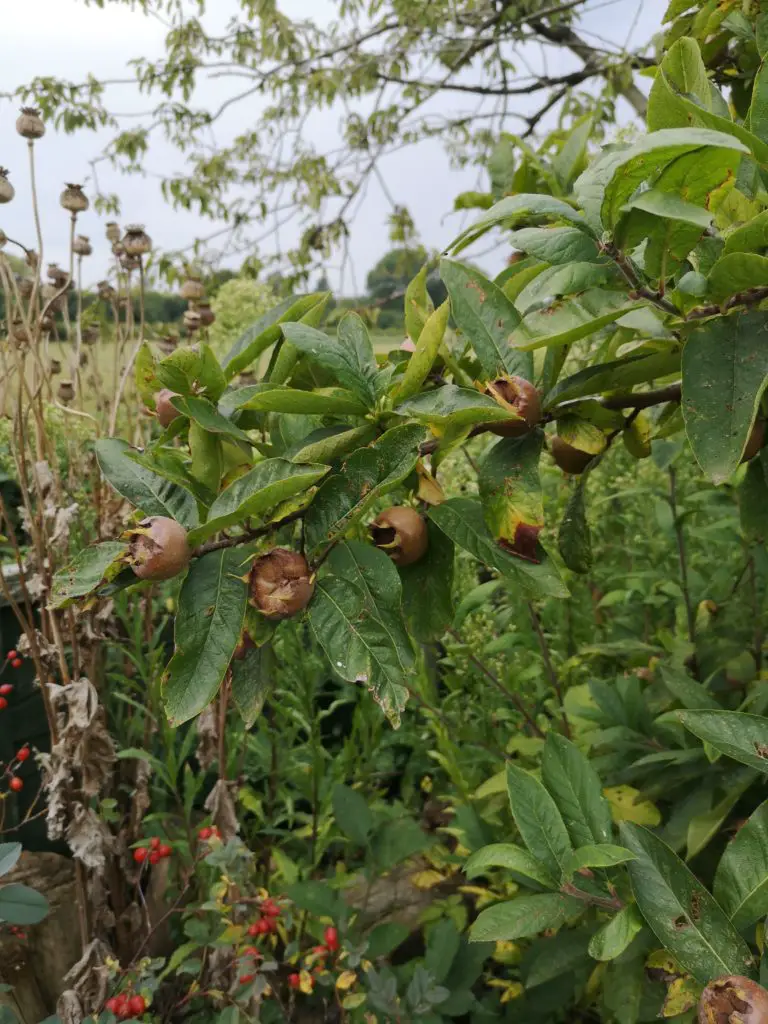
(538, 820)
(316, 897)
(513, 858)
(255, 493)
(144, 489)
(750, 237)
(350, 358)
(573, 539)
(753, 500)
(604, 855)
(556, 282)
(725, 370)
(252, 678)
(147, 383)
(453, 408)
(265, 332)
(418, 305)
(522, 917)
(428, 589)
(510, 492)
(589, 187)
(737, 272)
(90, 567)
(328, 445)
(270, 397)
(577, 791)
(570, 160)
(208, 418)
(567, 320)
(367, 474)
(556, 245)
(615, 936)
(737, 735)
(352, 814)
(358, 645)
(208, 624)
(420, 363)
(616, 375)
(172, 464)
(20, 905)
(650, 155)
(680, 911)
(666, 205)
(463, 521)
(516, 211)
(741, 880)
(285, 356)
(487, 318)
(688, 691)
(207, 458)
(9, 857)
(550, 959)
(189, 371)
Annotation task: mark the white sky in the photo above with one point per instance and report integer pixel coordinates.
(66, 38)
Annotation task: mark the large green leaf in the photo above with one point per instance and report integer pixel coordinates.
(192, 371)
(367, 474)
(252, 677)
(209, 418)
(649, 155)
(9, 857)
(568, 320)
(420, 363)
(350, 359)
(750, 237)
(614, 937)
(556, 245)
(209, 620)
(753, 500)
(454, 408)
(522, 917)
(516, 211)
(487, 319)
(725, 370)
(144, 489)
(428, 589)
(285, 356)
(615, 376)
(513, 858)
(329, 444)
(688, 691)
(569, 279)
(265, 332)
(589, 187)
(358, 646)
(574, 540)
(510, 492)
(21, 905)
(418, 305)
(679, 910)
(538, 820)
(736, 734)
(352, 814)
(269, 397)
(736, 272)
(174, 464)
(741, 880)
(463, 521)
(90, 567)
(258, 491)
(575, 787)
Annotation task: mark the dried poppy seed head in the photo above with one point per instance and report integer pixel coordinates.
(29, 124)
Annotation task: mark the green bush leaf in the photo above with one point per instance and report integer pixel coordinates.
(575, 787)
(427, 347)
(367, 474)
(514, 859)
(270, 397)
(352, 814)
(569, 320)
(265, 332)
(21, 905)
(89, 568)
(522, 917)
(516, 211)
(510, 492)
(573, 539)
(753, 500)
(617, 375)
(487, 319)
(734, 733)
(615, 936)
(604, 855)
(731, 352)
(418, 305)
(453, 408)
(208, 624)
(252, 679)
(556, 245)
(9, 857)
(741, 880)
(350, 358)
(737, 272)
(144, 489)
(316, 897)
(428, 588)
(255, 493)
(688, 691)
(208, 418)
(680, 911)
(538, 820)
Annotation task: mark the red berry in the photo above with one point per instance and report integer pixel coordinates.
(252, 951)
(137, 1005)
(270, 908)
(205, 833)
(16, 784)
(154, 843)
(17, 663)
(12, 655)
(140, 854)
(112, 1005)
(5, 689)
(331, 937)
(23, 754)
(154, 857)
(3, 703)
(165, 850)
(124, 1010)
(246, 979)
(294, 980)
(321, 950)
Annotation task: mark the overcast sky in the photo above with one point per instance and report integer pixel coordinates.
(67, 39)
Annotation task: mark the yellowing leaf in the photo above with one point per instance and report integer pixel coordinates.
(507, 952)
(682, 994)
(625, 806)
(346, 980)
(306, 983)
(353, 1000)
(429, 490)
(233, 935)
(426, 879)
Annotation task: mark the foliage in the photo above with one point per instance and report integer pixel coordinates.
(237, 303)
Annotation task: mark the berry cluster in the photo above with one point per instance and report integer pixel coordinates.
(16, 784)
(125, 1006)
(208, 833)
(7, 688)
(156, 851)
(268, 921)
(318, 957)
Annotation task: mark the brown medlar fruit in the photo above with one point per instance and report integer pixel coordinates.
(567, 457)
(401, 533)
(281, 583)
(733, 999)
(159, 549)
(523, 398)
(755, 441)
(166, 413)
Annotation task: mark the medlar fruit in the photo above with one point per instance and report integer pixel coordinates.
(401, 533)
(567, 457)
(281, 583)
(523, 398)
(166, 413)
(159, 549)
(732, 999)
(755, 441)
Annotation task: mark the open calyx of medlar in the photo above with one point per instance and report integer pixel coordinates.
(401, 533)
(281, 583)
